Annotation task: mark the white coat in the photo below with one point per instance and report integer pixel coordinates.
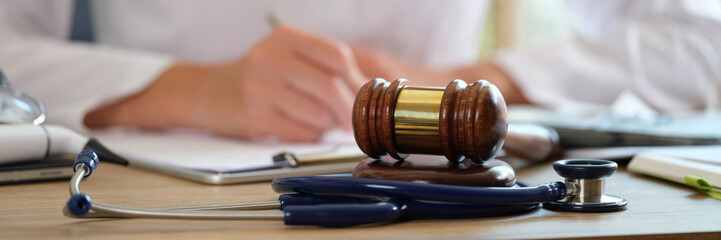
(666, 52)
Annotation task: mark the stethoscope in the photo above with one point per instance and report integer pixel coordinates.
(342, 201)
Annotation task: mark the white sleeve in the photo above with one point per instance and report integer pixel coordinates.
(666, 52)
(70, 79)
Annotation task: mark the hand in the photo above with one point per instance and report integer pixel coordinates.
(293, 85)
(375, 64)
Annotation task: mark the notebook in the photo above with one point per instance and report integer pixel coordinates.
(676, 164)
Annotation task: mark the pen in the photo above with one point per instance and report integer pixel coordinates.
(272, 18)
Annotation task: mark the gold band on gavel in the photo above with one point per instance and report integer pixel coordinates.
(461, 120)
(416, 120)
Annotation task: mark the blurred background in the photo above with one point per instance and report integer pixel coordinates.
(523, 23)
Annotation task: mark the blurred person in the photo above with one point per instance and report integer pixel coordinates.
(668, 53)
(220, 66)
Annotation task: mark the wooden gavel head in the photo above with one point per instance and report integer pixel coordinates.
(461, 120)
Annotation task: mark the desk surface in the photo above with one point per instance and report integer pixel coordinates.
(656, 210)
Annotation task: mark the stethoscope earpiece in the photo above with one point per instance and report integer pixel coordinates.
(79, 204)
(585, 183)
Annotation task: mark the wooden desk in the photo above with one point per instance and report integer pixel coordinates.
(656, 210)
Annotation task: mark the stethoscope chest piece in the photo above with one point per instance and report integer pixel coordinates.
(585, 182)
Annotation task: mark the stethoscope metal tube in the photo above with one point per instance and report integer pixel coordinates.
(98, 209)
(260, 205)
(332, 201)
(82, 202)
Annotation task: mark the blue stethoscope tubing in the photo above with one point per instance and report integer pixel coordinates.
(410, 200)
(390, 209)
(421, 191)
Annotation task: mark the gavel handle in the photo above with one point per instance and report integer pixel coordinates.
(532, 142)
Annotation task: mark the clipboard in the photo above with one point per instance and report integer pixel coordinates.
(215, 160)
(223, 178)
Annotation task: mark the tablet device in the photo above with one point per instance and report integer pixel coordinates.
(53, 168)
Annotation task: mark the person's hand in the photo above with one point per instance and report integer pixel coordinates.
(375, 64)
(293, 85)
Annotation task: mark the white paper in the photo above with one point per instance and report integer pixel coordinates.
(202, 151)
(706, 154)
(675, 164)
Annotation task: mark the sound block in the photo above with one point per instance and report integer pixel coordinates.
(438, 170)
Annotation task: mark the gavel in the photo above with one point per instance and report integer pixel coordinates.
(459, 121)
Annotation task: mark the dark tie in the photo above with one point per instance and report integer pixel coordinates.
(82, 22)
